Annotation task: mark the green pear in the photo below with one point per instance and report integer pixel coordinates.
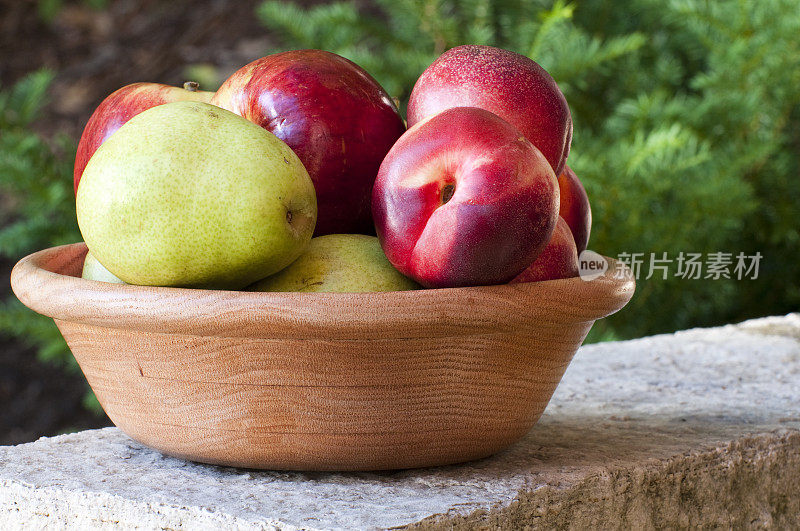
(94, 270)
(187, 194)
(339, 262)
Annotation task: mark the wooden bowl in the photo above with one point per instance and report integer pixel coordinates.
(328, 381)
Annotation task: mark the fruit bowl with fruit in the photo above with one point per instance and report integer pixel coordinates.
(280, 276)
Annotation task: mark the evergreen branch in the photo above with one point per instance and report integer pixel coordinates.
(22, 104)
(560, 13)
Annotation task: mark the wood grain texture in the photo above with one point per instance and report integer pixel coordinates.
(319, 381)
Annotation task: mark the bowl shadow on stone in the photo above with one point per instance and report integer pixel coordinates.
(323, 381)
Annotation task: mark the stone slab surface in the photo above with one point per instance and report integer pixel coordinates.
(697, 428)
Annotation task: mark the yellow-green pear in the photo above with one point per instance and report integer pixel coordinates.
(189, 194)
(94, 270)
(339, 262)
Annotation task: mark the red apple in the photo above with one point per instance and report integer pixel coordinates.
(574, 207)
(338, 119)
(506, 83)
(559, 259)
(464, 199)
(123, 105)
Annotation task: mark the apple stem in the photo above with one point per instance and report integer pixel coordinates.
(191, 86)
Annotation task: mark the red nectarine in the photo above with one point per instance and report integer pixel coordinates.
(506, 83)
(574, 207)
(559, 259)
(463, 198)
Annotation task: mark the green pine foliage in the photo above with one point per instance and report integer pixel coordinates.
(38, 206)
(687, 124)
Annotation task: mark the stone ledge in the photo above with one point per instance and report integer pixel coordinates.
(697, 428)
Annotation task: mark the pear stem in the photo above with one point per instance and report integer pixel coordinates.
(191, 86)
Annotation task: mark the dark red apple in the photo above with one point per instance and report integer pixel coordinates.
(559, 259)
(575, 208)
(338, 119)
(464, 199)
(506, 83)
(123, 105)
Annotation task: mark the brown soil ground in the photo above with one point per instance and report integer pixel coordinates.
(94, 52)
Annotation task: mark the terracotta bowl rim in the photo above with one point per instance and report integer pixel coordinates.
(39, 282)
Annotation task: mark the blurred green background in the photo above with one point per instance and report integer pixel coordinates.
(686, 118)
